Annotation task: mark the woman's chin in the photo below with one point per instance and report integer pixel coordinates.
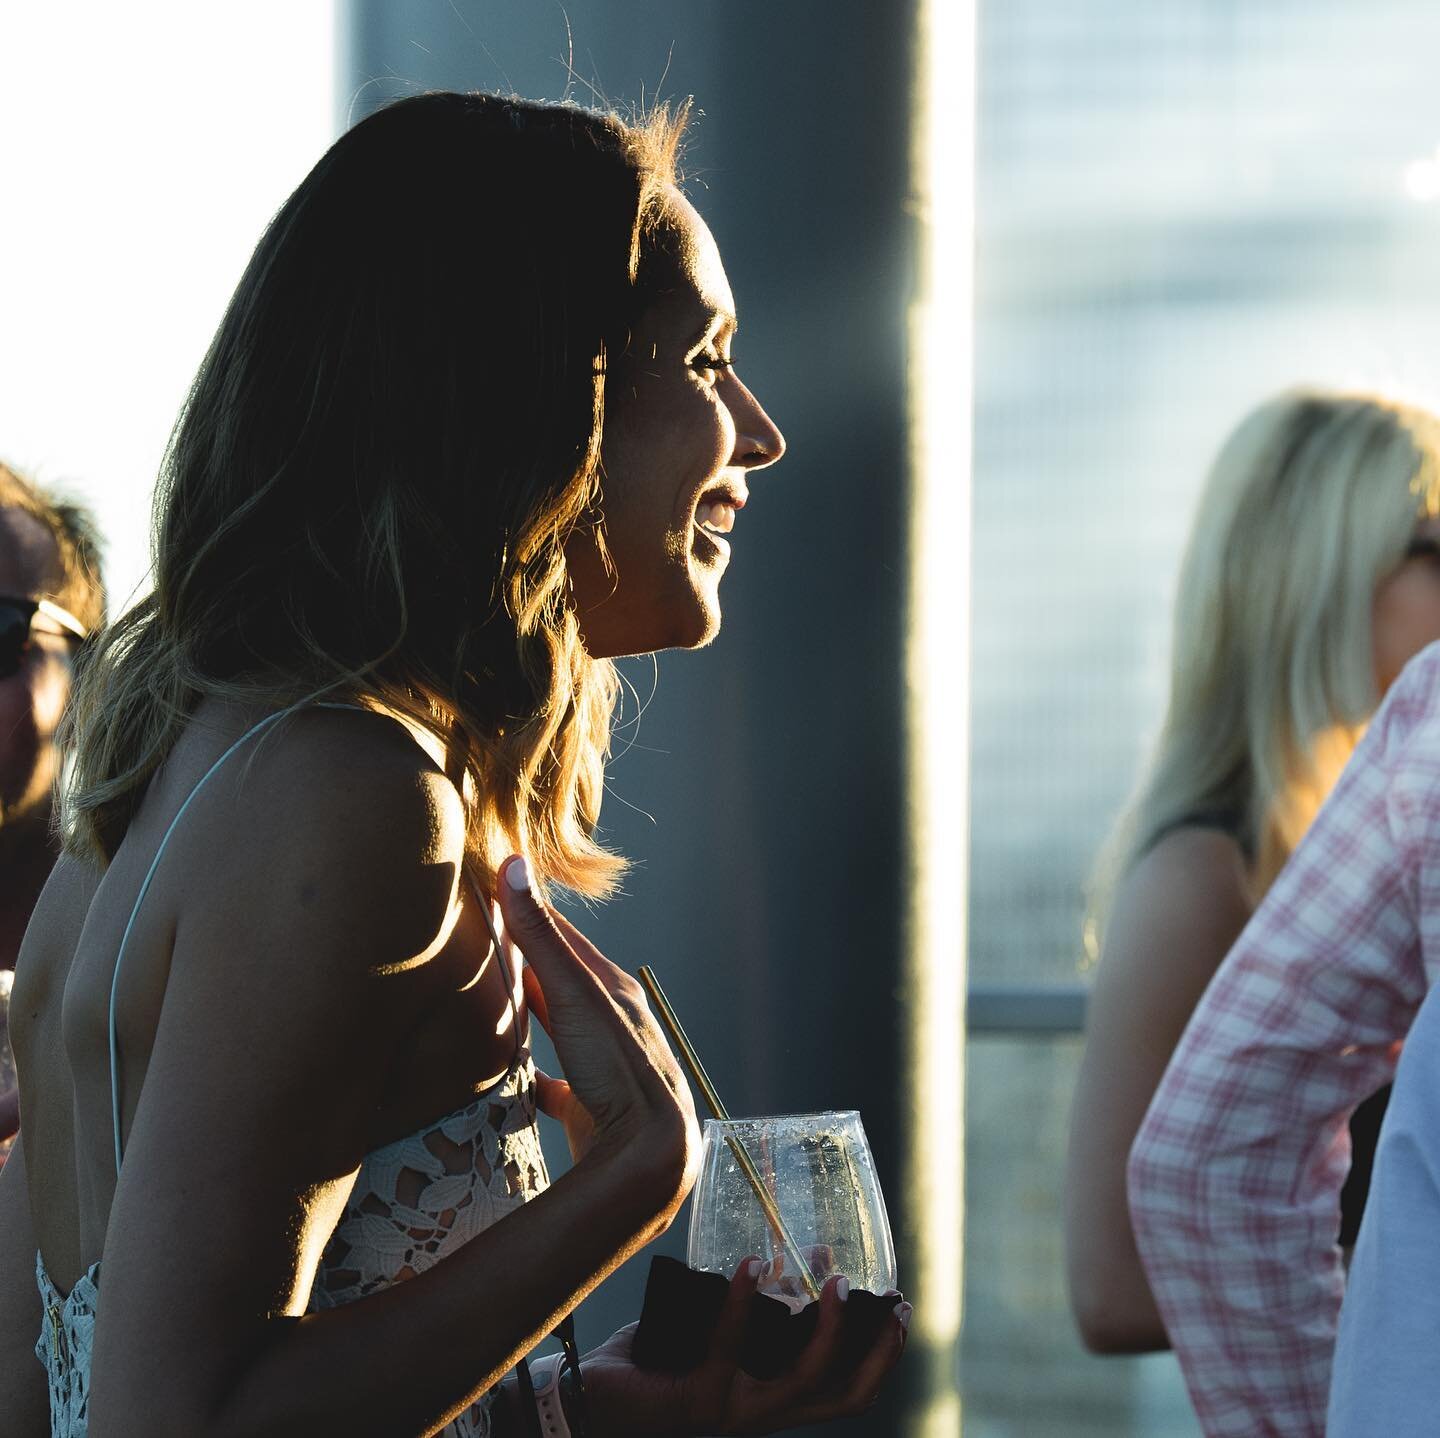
(693, 628)
(702, 615)
(706, 636)
(691, 625)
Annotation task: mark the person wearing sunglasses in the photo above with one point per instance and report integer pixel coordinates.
(51, 598)
(19, 632)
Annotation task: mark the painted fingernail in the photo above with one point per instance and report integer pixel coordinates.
(752, 1269)
(903, 1312)
(517, 875)
(842, 1289)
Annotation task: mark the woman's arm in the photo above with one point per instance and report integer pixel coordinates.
(287, 986)
(24, 1393)
(1174, 918)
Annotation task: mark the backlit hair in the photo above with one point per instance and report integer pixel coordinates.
(369, 489)
(77, 542)
(1310, 505)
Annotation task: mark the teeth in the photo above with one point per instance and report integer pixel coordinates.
(716, 515)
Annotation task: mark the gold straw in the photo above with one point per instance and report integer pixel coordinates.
(701, 1079)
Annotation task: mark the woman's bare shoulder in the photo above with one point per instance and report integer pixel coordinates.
(71, 885)
(338, 812)
(1194, 856)
(1188, 896)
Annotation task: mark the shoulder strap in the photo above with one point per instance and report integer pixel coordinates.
(512, 974)
(205, 778)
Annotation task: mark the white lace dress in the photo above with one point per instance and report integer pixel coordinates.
(413, 1203)
(418, 1200)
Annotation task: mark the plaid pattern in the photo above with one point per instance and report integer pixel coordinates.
(1234, 1178)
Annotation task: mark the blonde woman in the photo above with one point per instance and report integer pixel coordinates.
(471, 428)
(1311, 577)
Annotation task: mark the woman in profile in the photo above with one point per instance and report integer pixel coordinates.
(1312, 575)
(469, 429)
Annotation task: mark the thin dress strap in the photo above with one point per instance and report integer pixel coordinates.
(150, 875)
(511, 971)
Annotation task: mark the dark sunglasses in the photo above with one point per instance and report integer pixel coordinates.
(16, 617)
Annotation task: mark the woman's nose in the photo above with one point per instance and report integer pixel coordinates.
(758, 440)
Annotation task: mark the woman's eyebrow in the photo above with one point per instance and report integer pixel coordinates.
(717, 322)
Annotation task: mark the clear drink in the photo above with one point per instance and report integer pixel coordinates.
(817, 1170)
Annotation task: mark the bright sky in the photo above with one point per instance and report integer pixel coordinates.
(142, 150)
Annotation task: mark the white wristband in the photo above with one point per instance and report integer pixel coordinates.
(545, 1375)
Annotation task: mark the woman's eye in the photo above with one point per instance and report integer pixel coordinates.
(711, 363)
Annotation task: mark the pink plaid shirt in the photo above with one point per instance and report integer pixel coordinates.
(1235, 1175)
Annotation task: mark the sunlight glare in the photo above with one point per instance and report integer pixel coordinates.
(146, 148)
(937, 670)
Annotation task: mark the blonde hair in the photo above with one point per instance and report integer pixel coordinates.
(1310, 504)
(370, 487)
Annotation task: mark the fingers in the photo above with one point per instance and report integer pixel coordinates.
(713, 1385)
(728, 1341)
(542, 923)
(535, 998)
(553, 1096)
(615, 979)
(864, 1386)
(587, 953)
(618, 1345)
(526, 916)
(814, 1364)
(532, 925)
(819, 1388)
(621, 1072)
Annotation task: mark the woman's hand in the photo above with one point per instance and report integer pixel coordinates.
(623, 1089)
(719, 1397)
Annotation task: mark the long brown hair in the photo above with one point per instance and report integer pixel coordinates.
(368, 491)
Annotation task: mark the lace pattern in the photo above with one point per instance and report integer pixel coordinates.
(414, 1202)
(418, 1200)
(67, 1334)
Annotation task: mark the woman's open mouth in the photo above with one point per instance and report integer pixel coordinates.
(713, 520)
(717, 516)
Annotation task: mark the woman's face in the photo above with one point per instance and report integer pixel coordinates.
(1407, 606)
(682, 436)
(32, 698)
